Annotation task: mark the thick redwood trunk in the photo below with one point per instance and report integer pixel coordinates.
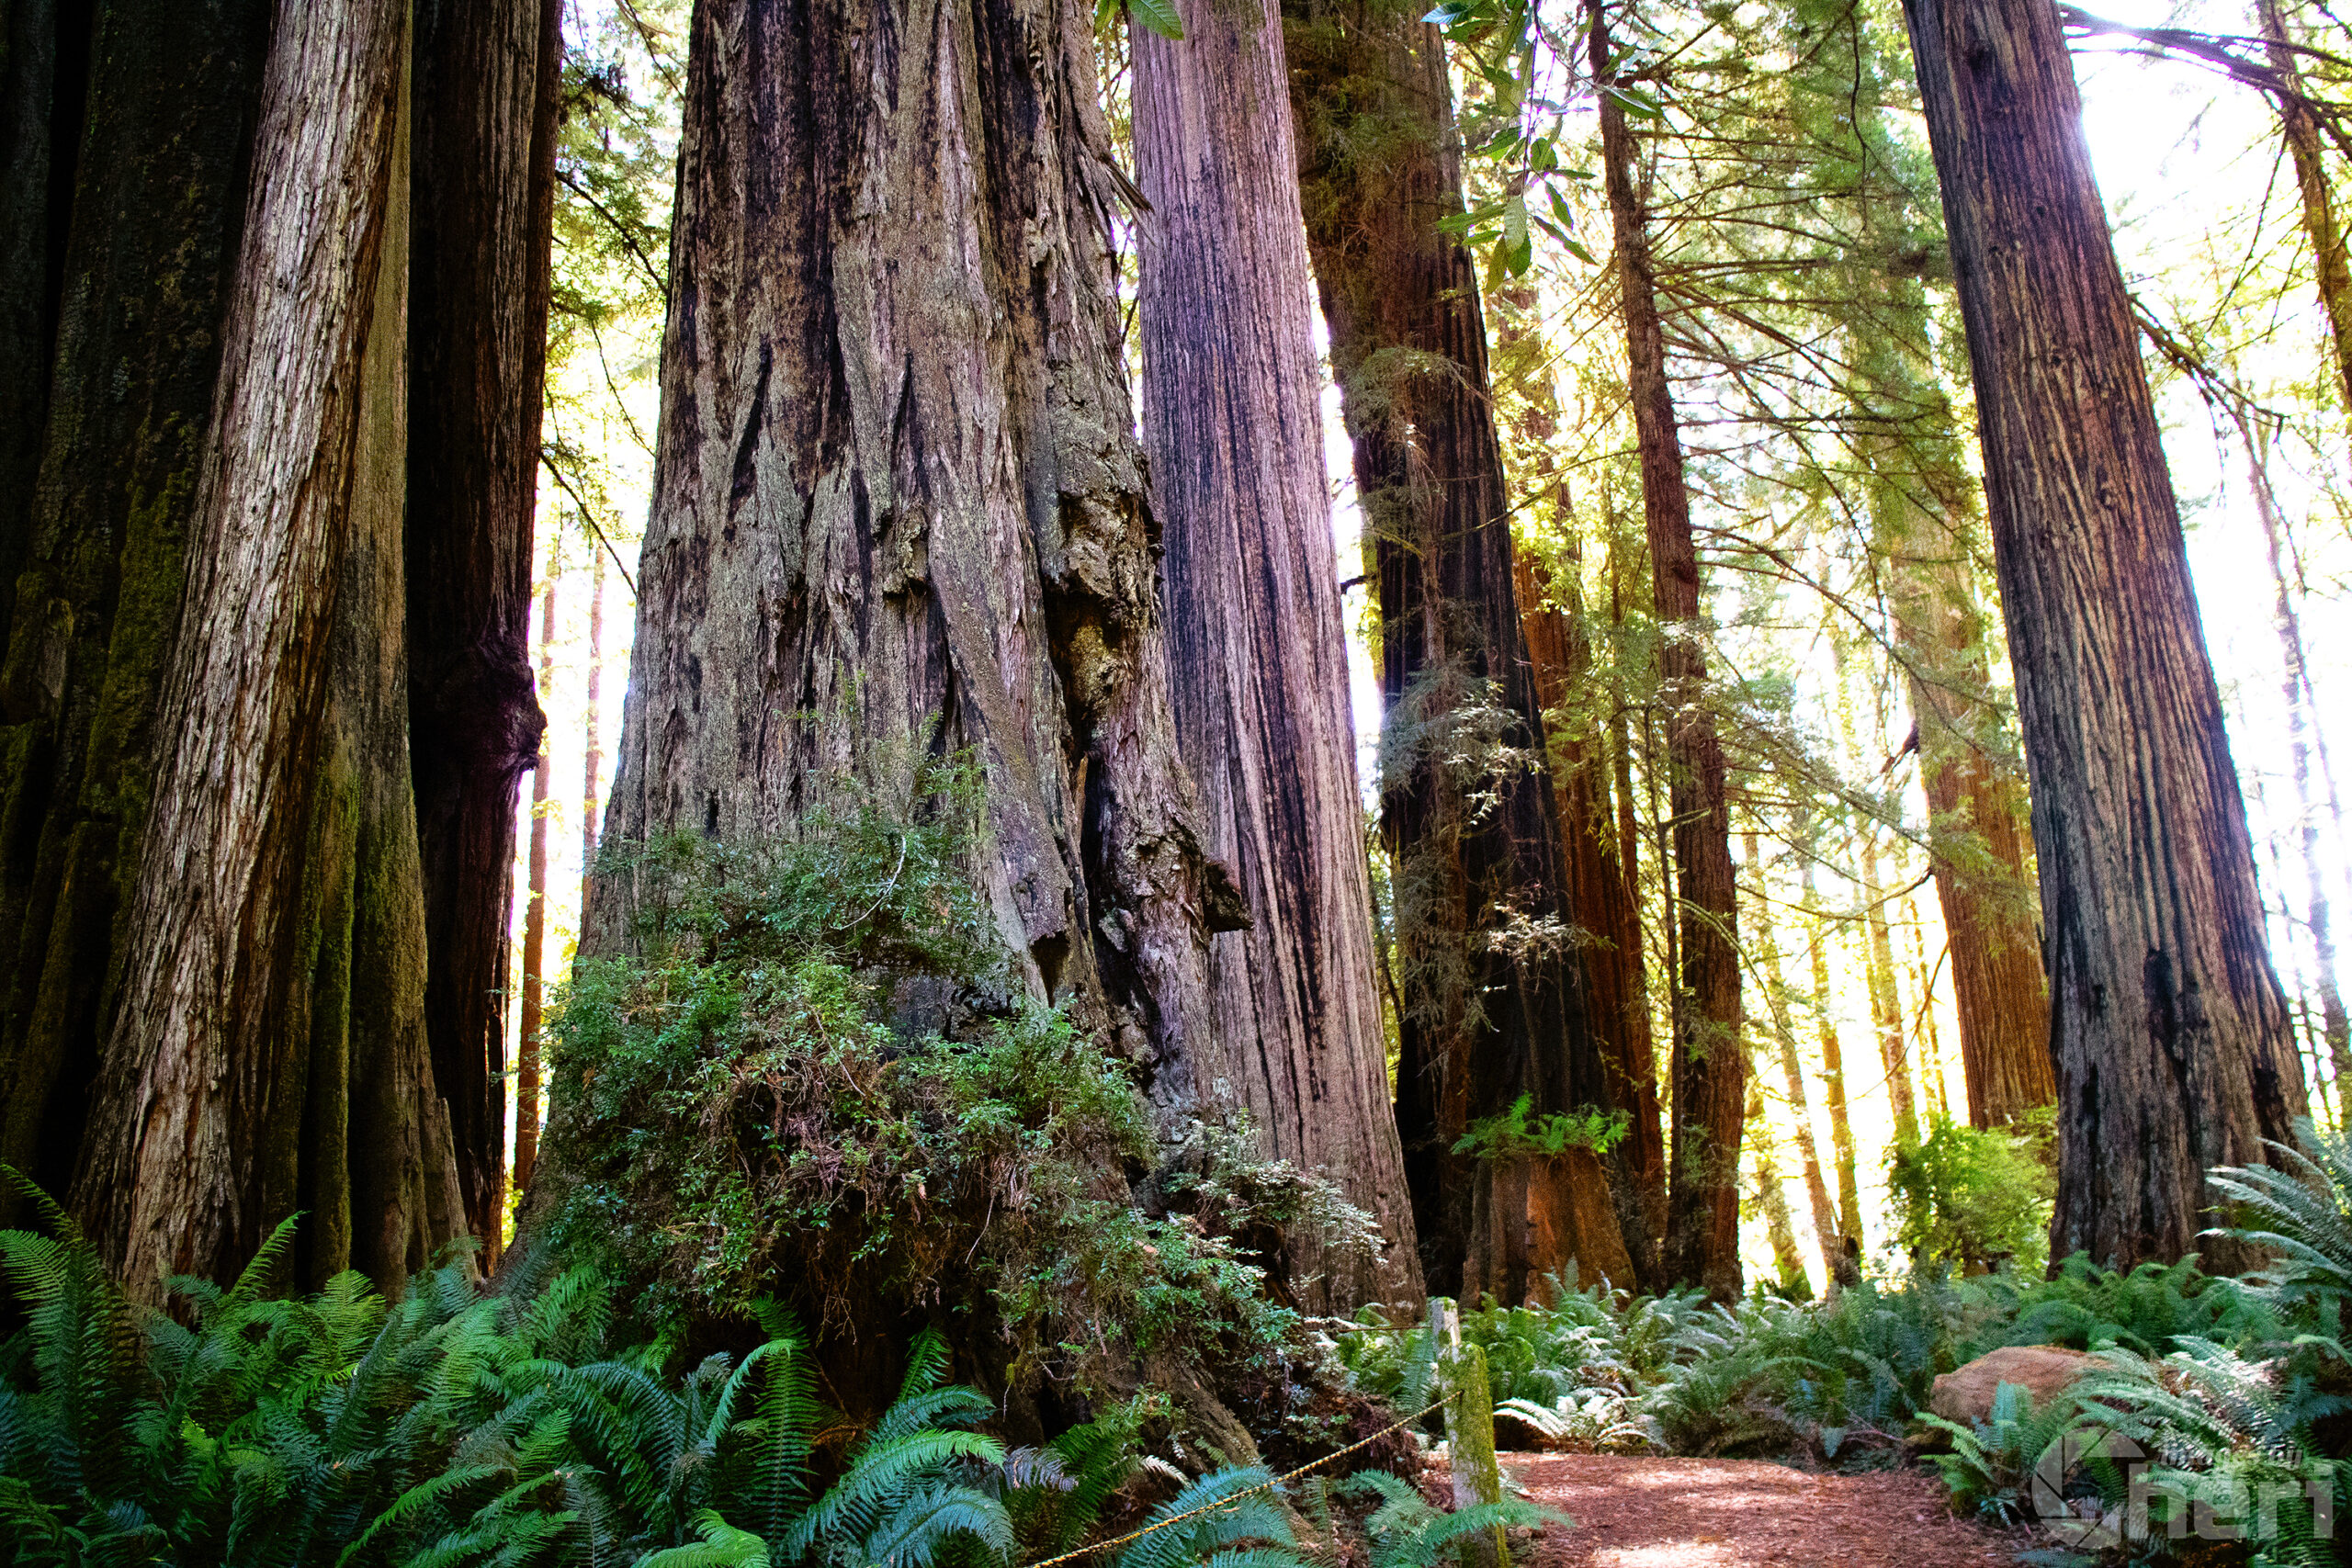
(1601, 894)
(488, 74)
(157, 201)
(1231, 415)
(897, 502)
(268, 1053)
(2173, 1048)
(1709, 1063)
(1495, 1002)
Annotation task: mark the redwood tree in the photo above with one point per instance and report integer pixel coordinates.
(216, 944)
(487, 83)
(2168, 1029)
(897, 501)
(1258, 658)
(1709, 1063)
(1495, 1002)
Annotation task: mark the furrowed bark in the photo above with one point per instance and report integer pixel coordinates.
(1231, 416)
(896, 501)
(1709, 1063)
(157, 201)
(1598, 892)
(44, 71)
(2172, 1043)
(1497, 1003)
(488, 74)
(274, 936)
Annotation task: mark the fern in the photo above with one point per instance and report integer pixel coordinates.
(1228, 1510)
(1406, 1531)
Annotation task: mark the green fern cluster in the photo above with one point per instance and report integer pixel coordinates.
(458, 1428)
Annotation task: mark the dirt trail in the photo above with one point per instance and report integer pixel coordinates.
(1702, 1512)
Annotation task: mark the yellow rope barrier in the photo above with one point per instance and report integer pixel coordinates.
(1278, 1482)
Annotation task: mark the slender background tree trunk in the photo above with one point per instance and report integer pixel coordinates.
(530, 1054)
(1710, 1061)
(488, 77)
(1496, 1000)
(2171, 1039)
(1231, 415)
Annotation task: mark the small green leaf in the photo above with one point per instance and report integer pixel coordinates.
(1541, 156)
(1518, 251)
(1159, 15)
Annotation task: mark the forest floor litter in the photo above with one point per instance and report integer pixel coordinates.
(1719, 1513)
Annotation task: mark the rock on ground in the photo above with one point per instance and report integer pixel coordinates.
(2043, 1371)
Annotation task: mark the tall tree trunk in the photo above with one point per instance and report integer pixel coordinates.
(1833, 1063)
(896, 499)
(2331, 268)
(1232, 420)
(269, 1051)
(1827, 1227)
(1598, 894)
(1496, 1004)
(1886, 998)
(2302, 728)
(2173, 1046)
(592, 763)
(157, 201)
(44, 75)
(1780, 1225)
(1710, 1063)
(529, 1053)
(488, 76)
(1924, 1027)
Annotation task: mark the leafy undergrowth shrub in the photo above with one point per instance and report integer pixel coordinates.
(459, 1428)
(1975, 1197)
(816, 1079)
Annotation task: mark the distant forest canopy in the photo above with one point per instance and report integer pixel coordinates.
(1434, 650)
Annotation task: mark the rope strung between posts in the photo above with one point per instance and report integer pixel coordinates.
(1274, 1485)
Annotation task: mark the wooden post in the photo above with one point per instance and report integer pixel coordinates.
(1469, 1433)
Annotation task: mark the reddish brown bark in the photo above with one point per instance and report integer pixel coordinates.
(1709, 1066)
(896, 499)
(269, 1053)
(2173, 1046)
(1496, 999)
(487, 82)
(94, 551)
(1599, 891)
(1258, 658)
